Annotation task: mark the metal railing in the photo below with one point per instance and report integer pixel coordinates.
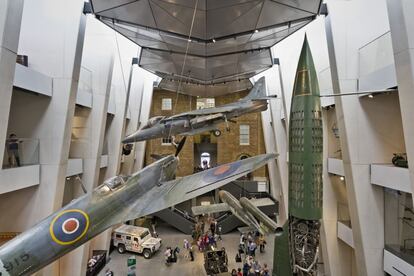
(21, 152)
(376, 54)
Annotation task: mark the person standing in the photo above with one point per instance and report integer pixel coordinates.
(262, 243)
(13, 150)
(191, 253)
(186, 248)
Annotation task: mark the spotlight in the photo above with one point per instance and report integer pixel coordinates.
(256, 31)
(342, 178)
(214, 41)
(189, 40)
(370, 96)
(67, 178)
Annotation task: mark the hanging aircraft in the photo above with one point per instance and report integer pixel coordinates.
(245, 210)
(201, 120)
(118, 199)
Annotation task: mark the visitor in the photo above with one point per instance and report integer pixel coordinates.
(265, 270)
(219, 232)
(234, 272)
(167, 255)
(251, 272)
(239, 272)
(186, 247)
(13, 150)
(256, 268)
(205, 165)
(252, 248)
(190, 250)
(262, 243)
(246, 269)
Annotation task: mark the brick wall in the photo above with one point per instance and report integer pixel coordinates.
(228, 144)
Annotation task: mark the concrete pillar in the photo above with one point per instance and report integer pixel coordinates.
(336, 255)
(134, 105)
(402, 35)
(365, 201)
(10, 20)
(146, 103)
(116, 132)
(98, 58)
(280, 126)
(52, 37)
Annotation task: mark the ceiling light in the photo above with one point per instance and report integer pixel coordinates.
(370, 96)
(256, 31)
(342, 178)
(214, 41)
(189, 40)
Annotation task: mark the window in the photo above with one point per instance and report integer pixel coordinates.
(166, 104)
(128, 238)
(166, 141)
(205, 103)
(135, 239)
(244, 135)
(118, 236)
(144, 234)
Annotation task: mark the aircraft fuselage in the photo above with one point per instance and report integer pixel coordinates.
(79, 221)
(190, 125)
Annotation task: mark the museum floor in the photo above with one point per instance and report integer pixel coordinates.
(171, 237)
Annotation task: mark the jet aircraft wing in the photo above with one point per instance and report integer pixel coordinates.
(206, 111)
(173, 192)
(210, 209)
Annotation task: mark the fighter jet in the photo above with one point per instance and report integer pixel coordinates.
(201, 120)
(244, 209)
(118, 199)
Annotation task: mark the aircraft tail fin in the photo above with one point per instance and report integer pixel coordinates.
(258, 91)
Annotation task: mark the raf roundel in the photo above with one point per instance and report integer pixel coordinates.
(69, 226)
(222, 172)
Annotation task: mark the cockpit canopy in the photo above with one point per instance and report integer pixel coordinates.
(112, 184)
(153, 121)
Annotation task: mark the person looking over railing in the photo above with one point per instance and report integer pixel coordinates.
(13, 150)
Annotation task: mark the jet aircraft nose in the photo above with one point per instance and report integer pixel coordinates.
(134, 137)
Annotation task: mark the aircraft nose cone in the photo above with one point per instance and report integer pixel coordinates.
(131, 138)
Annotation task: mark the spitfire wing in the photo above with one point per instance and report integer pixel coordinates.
(209, 209)
(176, 191)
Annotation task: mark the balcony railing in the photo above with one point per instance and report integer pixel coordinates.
(376, 64)
(24, 154)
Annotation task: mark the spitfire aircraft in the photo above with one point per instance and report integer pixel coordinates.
(201, 120)
(118, 199)
(244, 209)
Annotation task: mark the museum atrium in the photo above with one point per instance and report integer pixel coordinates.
(206, 137)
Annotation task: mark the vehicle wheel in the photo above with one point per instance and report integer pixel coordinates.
(147, 253)
(217, 133)
(121, 249)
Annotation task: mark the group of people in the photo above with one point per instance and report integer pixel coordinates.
(170, 254)
(249, 243)
(251, 267)
(205, 239)
(248, 246)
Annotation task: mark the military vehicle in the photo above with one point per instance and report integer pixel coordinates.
(135, 239)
